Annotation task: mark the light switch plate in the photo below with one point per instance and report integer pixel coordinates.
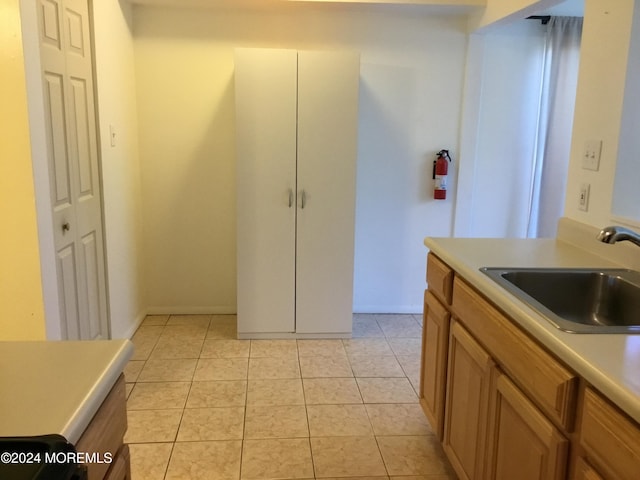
(591, 155)
(583, 201)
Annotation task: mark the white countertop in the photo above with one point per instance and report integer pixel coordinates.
(56, 387)
(610, 362)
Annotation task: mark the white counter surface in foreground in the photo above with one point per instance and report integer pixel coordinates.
(56, 387)
(610, 362)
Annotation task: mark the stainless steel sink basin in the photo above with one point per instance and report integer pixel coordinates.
(577, 300)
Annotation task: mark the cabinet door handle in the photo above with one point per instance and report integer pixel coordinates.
(290, 198)
(66, 227)
(303, 198)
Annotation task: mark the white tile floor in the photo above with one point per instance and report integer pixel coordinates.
(203, 405)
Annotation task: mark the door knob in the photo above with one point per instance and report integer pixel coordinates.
(66, 227)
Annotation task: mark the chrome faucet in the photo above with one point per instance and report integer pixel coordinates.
(615, 234)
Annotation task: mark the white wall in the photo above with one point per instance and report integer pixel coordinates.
(185, 98)
(120, 167)
(411, 82)
(502, 12)
(116, 102)
(410, 106)
(606, 37)
(626, 196)
(22, 307)
(39, 158)
(504, 74)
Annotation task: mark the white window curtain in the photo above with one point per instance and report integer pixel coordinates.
(551, 162)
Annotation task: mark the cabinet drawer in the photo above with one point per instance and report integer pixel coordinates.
(538, 373)
(439, 278)
(610, 438)
(106, 431)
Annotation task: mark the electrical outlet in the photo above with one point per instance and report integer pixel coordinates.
(583, 202)
(591, 155)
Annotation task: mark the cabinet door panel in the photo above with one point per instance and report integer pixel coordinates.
(523, 443)
(468, 383)
(435, 342)
(265, 82)
(584, 471)
(121, 466)
(327, 149)
(610, 438)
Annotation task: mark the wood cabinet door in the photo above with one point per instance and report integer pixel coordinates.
(121, 466)
(105, 433)
(433, 372)
(584, 471)
(522, 442)
(609, 438)
(469, 374)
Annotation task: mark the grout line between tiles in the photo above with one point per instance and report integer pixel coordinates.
(304, 393)
(166, 468)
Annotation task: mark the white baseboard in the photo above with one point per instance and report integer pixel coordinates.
(174, 311)
(169, 310)
(405, 309)
(269, 336)
(134, 326)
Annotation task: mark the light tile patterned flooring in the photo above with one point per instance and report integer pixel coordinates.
(203, 405)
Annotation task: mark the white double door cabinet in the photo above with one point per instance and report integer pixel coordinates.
(296, 122)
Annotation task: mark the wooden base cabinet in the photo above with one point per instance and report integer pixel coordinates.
(435, 338)
(105, 434)
(435, 341)
(522, 442)
(609, 441)
(121, 467)
(503, 406)
(468, 382)
(492, 430)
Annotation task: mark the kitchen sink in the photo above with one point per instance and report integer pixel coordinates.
(577, 300)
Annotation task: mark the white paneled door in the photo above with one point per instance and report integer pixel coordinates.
(67, 68)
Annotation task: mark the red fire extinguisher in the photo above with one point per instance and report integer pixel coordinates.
(440, 169)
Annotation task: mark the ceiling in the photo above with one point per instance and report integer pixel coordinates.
(568, 8)
(420, 6)
(565, 8)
